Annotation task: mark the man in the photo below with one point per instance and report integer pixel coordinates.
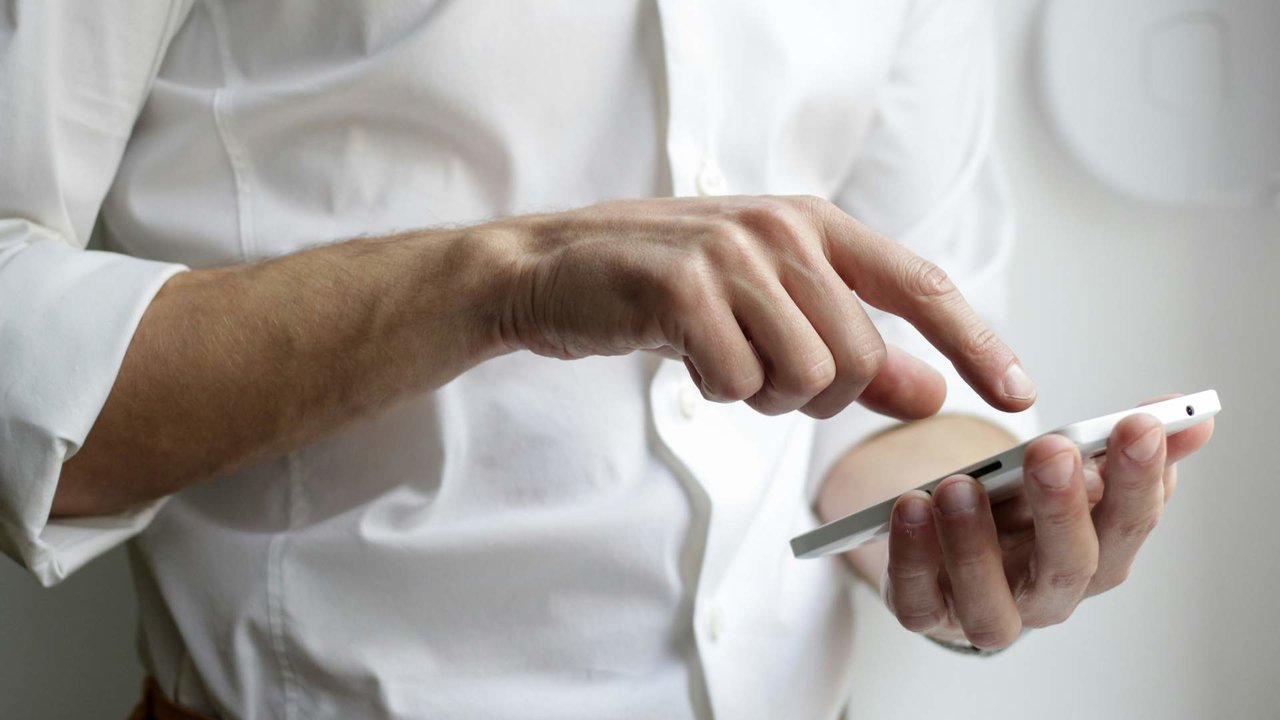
(444, 470)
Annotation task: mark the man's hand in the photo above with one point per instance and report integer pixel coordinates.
(960, 569)
(754, 294)
(234, 365)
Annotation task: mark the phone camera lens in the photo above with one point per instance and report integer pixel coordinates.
(1191, 410)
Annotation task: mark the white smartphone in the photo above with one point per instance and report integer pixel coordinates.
(1001, 474)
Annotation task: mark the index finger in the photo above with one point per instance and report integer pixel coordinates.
(896, 280)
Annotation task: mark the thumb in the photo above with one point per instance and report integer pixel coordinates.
(906, 388)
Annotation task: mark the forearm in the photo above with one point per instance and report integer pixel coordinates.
(898, 460)
(236, 364)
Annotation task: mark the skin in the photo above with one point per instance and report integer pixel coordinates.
(973, 572)
(233, 365)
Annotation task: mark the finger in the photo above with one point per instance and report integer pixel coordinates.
(1092, 468)
(1097, 467)
(972, 558)
(1185, 442)
(850, 337)
(797, 363)
(1170, 482)
(720, 360)
(892, 278)
(906, 388)
(1013, 515)
(1133, 499)
(1066, 551)
(912, 592)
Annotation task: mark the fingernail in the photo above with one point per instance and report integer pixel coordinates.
(1017, 384)
(913, 512)
(1055, 473)
(958, 497)
(1145, 447)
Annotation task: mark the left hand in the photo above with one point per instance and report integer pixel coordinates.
(960, 569)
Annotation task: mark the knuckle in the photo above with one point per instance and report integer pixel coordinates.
(865, 362)
(816, 210)
(1111, 580)
(730, 245)
(763, 216)
(911, 573)
(824, 409)
(1137, 529)
(774, 223)
(1049, 618)
(1142, 481)
(813, 377)
(970, 564)
(722, 228)
(1065, 515)
(994, 636)
(813, 203)
(769, 401)
(819, 212)
(926, 281)
(981, 341)
(919, 621)
(1069, 579)
(740, 386)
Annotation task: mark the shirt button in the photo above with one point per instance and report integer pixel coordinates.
(710, 180)
(715, 622)
(687, 400)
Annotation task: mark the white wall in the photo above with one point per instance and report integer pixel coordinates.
(1116, 302)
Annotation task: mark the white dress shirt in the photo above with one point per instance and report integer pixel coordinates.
(537, 538)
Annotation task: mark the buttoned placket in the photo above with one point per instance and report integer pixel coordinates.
(680, 417)
(690, 100)
(725, 475)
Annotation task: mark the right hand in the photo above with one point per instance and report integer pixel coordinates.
(754, 294)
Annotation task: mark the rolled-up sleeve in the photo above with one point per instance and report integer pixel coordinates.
(929, 178)
(73, 77)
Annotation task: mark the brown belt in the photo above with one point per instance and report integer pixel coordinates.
(155, 706)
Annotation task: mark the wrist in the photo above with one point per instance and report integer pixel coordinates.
(493, 264)
(520, 254)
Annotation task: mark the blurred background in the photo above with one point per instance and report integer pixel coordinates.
(1118, 298)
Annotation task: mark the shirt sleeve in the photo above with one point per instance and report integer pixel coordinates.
(73, 77)
(929, 178)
